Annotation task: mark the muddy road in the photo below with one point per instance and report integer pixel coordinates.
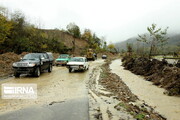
(61, 95)
(82, 96)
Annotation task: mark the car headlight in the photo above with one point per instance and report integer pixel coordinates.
(31, 64)
(14, 64)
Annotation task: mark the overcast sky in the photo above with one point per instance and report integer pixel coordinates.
(117, 20)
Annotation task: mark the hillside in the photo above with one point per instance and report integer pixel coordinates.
(68, 40)
(172, 45)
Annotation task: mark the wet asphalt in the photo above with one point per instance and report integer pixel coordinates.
(75, 109)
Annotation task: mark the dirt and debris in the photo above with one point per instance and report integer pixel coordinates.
(178, 64)
(6, 61)
(140, 111)
(113, 83)
(116, 93)
(159, 72)
(56, 55)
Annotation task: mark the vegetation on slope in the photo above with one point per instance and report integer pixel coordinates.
(17, 35)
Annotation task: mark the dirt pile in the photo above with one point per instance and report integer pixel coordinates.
(178, 64)
(114, 84)
(159, 72)
(6, 61)
(56, 55)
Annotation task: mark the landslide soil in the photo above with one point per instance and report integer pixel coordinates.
(159, 72)
(6, 61)
(128, 103)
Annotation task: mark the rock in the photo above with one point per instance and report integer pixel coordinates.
(98, 116)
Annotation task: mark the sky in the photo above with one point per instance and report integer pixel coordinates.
(115, 20)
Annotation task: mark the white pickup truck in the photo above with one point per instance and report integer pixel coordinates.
(78, 63)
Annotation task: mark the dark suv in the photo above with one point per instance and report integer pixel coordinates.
(33, 63)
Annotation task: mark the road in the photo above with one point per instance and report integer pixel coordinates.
(61, 96)
(64, 96)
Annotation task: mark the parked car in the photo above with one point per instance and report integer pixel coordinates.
(63, 59)
(78, 63)
(51, 57)
(33, 63)
(104, 56)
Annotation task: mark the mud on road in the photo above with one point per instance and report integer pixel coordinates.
(58, 86)
(111, 99)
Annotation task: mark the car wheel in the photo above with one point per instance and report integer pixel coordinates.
(16, 75)
(37, 72)
(70, 70)
(50, 68)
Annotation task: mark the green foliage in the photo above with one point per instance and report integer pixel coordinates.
(111, 47)
(74, 30)
(87, 35)
(17, 35)
(140, 116)
(5, 28)
(104, 46)
(94, 41)
(129, 47)
(156, 39)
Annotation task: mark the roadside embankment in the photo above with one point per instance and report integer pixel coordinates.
(6, 61)
(159, 72)
(115, 99)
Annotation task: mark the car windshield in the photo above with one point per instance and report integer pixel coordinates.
(31, 57)
(64, 56)
(77, 60)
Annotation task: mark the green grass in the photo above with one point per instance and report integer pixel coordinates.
(140, 116)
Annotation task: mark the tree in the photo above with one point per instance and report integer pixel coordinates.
(5, 28)
(17, 35)
(157, 37)
(74, 30)
(96, 40)
(129, 48)
(4, 12)
(87, 35)
(103, 43)
(111, 47)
